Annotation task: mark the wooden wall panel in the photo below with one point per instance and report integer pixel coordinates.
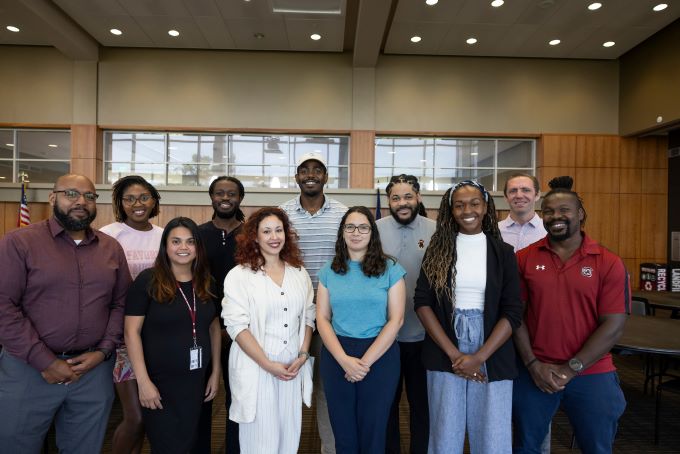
(630, 209)
(559, 150)
(597, 151)
(362, 159)
(596, 179)
(602, 222)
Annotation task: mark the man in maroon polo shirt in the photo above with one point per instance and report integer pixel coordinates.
(62, 297)
(576, 295)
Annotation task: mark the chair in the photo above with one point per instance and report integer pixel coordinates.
(639, 306)
(671, 386)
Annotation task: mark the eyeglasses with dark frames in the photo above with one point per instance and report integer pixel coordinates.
(74, 195)
(131, 200)
(362, 228)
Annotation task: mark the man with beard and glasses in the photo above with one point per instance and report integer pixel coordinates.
(219, 236)
(405, 235)
(316, 219)
(576, 295)
(62, 297)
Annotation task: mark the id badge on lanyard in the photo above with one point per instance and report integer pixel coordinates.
(196, 351)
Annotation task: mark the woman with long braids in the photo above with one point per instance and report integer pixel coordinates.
(468, 300)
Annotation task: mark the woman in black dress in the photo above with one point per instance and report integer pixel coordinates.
(172, 334)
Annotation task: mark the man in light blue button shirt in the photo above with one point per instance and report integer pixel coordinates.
(405, 235)
(522, 226)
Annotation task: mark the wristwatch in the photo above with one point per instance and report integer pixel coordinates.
(106, 352)
(576, 365)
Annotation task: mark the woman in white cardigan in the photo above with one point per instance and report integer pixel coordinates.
(268, 310)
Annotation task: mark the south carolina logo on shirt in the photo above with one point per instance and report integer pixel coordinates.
(587, 271)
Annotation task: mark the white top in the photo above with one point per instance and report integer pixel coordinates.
(470, 271)
(246, 305)
(281, 324)
(140, 246)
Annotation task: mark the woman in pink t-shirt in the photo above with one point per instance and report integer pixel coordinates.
(135, 201)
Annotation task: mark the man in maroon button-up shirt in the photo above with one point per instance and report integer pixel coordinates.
(62, 296)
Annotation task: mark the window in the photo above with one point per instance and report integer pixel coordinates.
(43, 155)
(195, 159)
(440, 162)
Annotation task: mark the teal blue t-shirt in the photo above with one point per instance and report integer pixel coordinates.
(359, 302)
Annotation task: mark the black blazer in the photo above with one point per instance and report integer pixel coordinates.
(502, 299)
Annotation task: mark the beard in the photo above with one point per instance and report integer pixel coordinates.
(225, 214)
(407, 221)
(74, 225)
(563, 236)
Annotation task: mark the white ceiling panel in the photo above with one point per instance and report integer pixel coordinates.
(139, 8)
(432, 34)
(92, 7)
(156, 28)
(244, 32)
(332, 34)
(32, 31)
(215, 32)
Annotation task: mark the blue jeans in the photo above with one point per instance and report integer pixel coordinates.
(359, 411)
(458, 405)
(594, 403)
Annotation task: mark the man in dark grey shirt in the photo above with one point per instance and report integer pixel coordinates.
(405, 235)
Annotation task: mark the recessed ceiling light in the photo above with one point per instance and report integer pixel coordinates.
(608, 44)
(659, 7)
(594, 6)
(554, 42)
(12, 28)
(497, 3)
(173, 33)
(116, 32)
(474, 153)
(471, 40)
(53, 145)
(258, 35)
(315, 36)
(9, 144)
(431, 2)
(415, 39)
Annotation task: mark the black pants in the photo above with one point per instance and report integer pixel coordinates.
(414, 375)
(203, 440)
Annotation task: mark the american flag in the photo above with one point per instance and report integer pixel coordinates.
(24, 213)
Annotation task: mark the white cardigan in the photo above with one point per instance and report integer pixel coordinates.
(243, 289)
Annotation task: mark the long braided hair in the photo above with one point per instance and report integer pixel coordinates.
(441, 254)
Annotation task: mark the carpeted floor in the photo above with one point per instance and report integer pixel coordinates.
(635, 433)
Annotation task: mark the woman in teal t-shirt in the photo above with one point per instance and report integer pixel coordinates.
(360, 308)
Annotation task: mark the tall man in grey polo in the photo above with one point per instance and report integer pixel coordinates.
(405, 235)
(62, 297)
(316, 219)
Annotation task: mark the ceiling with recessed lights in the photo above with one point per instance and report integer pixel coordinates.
(367, 28)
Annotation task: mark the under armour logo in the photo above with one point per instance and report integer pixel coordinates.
(540, 267)
(587, 271)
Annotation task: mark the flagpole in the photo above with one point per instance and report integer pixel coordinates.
(24, 217)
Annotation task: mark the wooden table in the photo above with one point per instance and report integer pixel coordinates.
(661, 300)
(647, 334)
(654, 337)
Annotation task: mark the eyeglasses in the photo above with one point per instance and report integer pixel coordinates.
(131, 200)
(362, 228)
(74, 195)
